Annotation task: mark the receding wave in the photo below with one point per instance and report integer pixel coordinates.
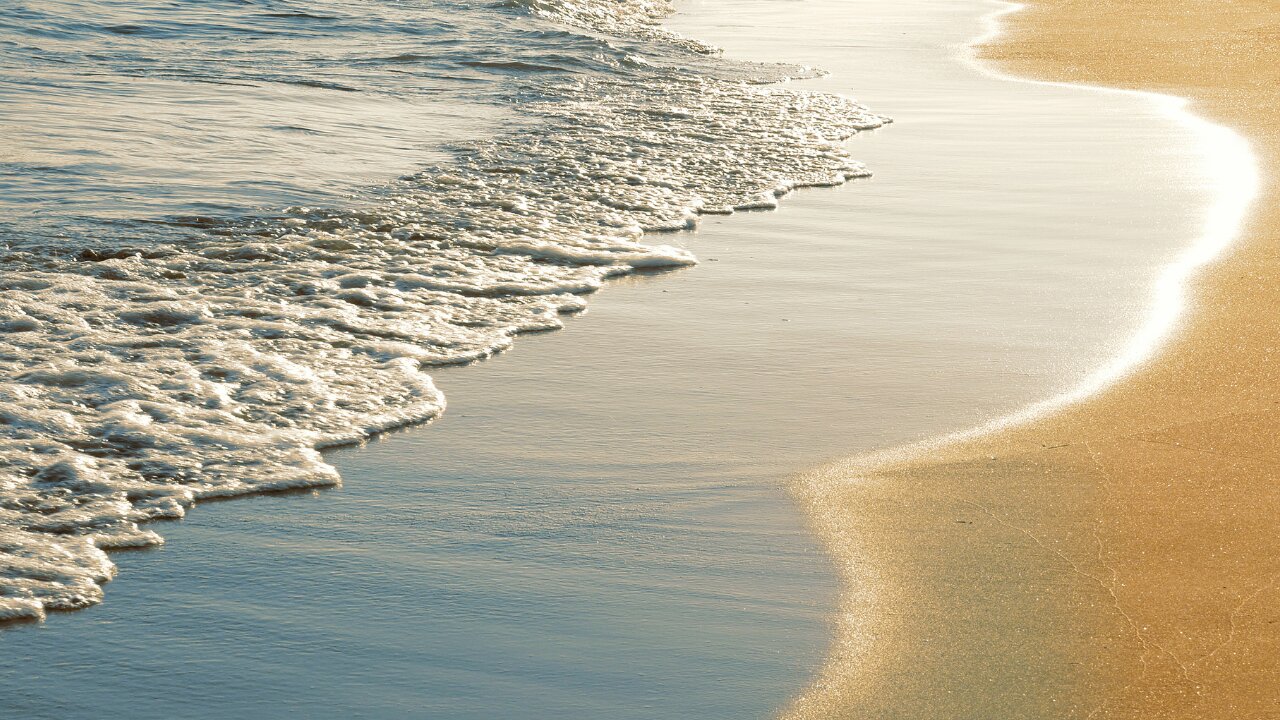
(152, 362)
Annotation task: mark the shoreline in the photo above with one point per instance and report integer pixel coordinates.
(487, 565)
(1118, 535)
(1236, 178)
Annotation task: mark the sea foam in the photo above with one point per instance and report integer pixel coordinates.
(142, 374)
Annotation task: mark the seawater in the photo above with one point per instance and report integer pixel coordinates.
(237, 232)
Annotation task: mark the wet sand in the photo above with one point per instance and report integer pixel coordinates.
(1115, 557)
(598, 527)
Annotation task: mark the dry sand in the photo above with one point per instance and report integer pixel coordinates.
(1119, 558)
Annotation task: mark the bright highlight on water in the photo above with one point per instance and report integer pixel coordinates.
(196, 298)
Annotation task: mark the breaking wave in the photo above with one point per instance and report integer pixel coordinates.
(155, 353)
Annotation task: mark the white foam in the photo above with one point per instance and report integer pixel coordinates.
(136, 383)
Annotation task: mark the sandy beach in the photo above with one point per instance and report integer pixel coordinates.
(600, 526)
(1114, 558)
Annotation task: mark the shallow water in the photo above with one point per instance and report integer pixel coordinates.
(147, 110)
(597, 526)
(156, 354)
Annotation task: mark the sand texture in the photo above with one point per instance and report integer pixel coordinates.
(1119, 558)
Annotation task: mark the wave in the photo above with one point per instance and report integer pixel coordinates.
(202, 357)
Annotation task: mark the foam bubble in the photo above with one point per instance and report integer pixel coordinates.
(136, 382)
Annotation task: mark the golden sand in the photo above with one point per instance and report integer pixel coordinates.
(1119, 558)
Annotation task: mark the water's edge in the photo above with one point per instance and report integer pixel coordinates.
(1233, 172)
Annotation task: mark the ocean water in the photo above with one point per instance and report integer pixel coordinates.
(598, 526)
(237, 232)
